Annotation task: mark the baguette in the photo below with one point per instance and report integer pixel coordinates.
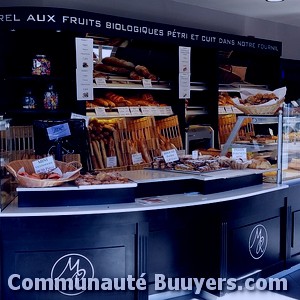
(110, 103)
(144, 150)
(103, 150)
(114, 97)
(97, 154)
(101, 102)
(111, 147)
(118, 152)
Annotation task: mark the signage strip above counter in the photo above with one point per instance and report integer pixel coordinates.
(14, 18)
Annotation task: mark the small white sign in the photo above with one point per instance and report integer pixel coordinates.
(137, 158)
(170, 155)
(100, 111)
(100, 81)
(239, 153)
(84, 70)
(135, 111)
(180, 152)
(111, 161)
(147, 83)
(154, 110)
(124, 111)
(44, 165)
(165, 110)
(184, 59)
(78, 116)
(184, 85)
(195, 154)
(58, 131)
(146, 110)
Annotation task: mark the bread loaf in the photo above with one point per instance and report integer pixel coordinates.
(112, 69)
(101, 102)
(135, 76)
(143, 71)
(260, 164)
(114, 97)
(294, 164)
(117, 62)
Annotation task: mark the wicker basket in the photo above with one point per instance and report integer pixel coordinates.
(112, 169)
(139, 166)
(260, 109)
(14, 166)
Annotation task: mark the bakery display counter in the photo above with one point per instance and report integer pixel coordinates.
(125, 186)
(156, 201)
(180, 235)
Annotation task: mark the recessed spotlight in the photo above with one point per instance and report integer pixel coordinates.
(274, 0)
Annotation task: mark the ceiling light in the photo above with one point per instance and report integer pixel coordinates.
(274, 0)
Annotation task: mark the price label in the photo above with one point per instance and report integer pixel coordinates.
(169, 110)
(124, 111)
(101, 81)
(78, 116)
(170, 155)
(154, 110)
(111, 161)
(100, 111)
(147, 83)
(58, 131)
(195, 154)
(239, 153)
(137, 158)
(44, 165)
(135, 111)
(146, 110)
(222, 110)
(180, 152)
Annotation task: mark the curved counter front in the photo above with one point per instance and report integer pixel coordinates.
(229, 234)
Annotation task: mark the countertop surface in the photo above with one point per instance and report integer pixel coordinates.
(147, 203)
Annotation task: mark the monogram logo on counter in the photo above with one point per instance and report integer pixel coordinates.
(258, 241)
(74, 267)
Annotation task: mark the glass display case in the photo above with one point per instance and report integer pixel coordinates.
(291, 143)
(6, 187)
(260, 139)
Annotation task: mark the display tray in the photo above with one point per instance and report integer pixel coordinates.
(170, 182)
(70, 195)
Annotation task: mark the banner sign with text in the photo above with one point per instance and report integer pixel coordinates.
(13, 18)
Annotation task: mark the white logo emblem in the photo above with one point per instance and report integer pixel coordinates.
(75, 267)
(258, 241)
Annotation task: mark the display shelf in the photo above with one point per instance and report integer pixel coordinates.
(134, 111)
(236, 87)
(195, 110)
(228, 109)
(125, 83)
(198, 86)
(263, 120)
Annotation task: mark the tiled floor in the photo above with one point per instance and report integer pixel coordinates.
(293, 290)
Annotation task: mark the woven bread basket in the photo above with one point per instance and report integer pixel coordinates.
(14, 166)
(260, 109)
